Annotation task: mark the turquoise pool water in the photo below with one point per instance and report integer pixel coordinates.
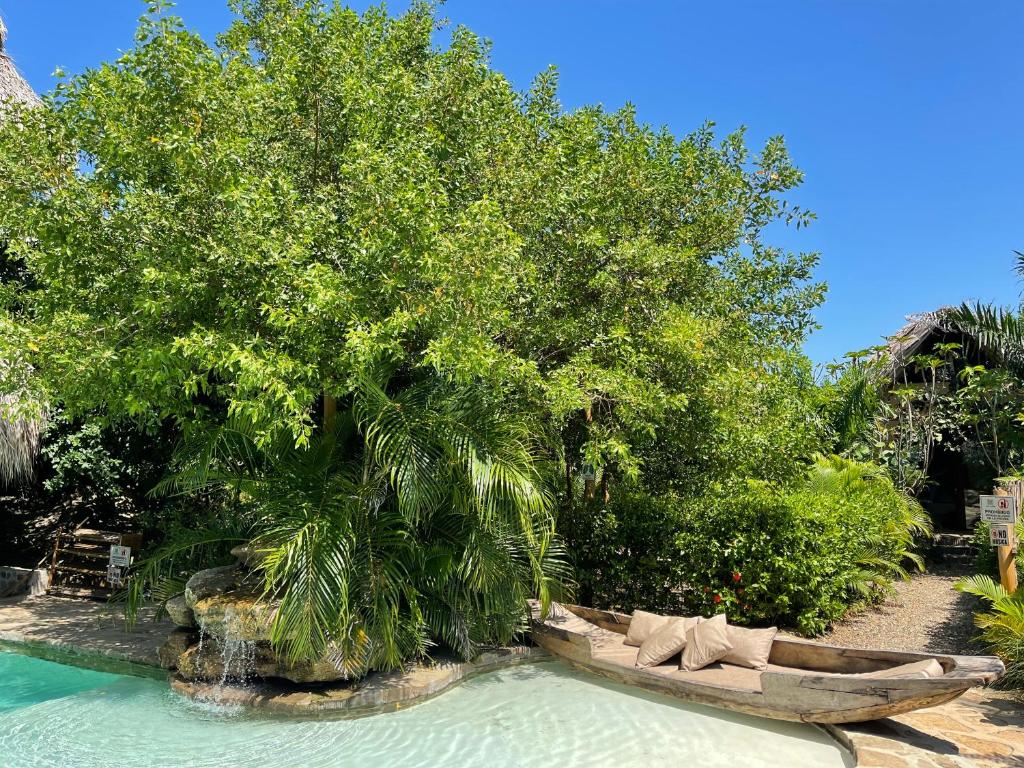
(522, 717)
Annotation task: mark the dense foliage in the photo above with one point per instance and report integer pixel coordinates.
(86, 473)
(797, 557)
(418, 517)
(250, 232)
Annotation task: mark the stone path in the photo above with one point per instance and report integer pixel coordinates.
(81, 627)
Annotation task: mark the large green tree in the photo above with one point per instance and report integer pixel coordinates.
(254, 223)
(248, 229)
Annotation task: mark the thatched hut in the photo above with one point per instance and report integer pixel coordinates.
(19, 435)
(951, 495)
(12, 84)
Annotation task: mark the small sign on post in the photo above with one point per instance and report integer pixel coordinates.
(114, 576)
(1000, 512)
(120, 556)
(999, 509)
(999, 535)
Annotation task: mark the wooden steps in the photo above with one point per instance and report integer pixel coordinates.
(79, 564)
(953, 549)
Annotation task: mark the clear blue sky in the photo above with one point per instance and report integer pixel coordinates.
(907, 116)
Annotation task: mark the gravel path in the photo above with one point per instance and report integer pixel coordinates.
(927, 614)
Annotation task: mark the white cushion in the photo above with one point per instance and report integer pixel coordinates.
(668, 640)
(706, 643)
(643, 625)
(924, 668)
(750, 647)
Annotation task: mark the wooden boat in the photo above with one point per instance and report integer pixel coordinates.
(805, 681)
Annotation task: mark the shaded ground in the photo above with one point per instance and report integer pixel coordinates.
(927, 614)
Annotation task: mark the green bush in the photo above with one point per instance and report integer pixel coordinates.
(792, 557)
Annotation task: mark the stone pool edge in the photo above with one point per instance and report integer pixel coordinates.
(382, 692)
(77, 656)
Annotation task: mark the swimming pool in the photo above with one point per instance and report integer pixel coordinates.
(522, 717)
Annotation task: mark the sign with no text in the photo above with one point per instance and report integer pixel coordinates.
(998, 509)
(999, 536)
(120, 556)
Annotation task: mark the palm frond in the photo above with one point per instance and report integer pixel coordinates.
(998, 332)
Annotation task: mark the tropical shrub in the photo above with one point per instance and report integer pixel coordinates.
(1002, 625)
(419, 518)
(796, 557)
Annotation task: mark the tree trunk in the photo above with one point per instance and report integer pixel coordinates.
(330, 412)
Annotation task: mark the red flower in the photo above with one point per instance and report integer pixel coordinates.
(736, 576)
(717, 598)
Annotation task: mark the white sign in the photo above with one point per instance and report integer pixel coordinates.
(120, 556)
(999, 536)
(998, 509)
(114, 575)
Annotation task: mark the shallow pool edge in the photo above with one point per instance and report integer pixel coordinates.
(74, 656)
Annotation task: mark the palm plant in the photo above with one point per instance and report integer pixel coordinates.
(998, 331)
(1002, 626)
(420, 517)
(881, 554)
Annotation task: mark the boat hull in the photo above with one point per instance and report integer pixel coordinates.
(824, 686)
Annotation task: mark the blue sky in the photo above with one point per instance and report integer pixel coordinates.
(906, 116)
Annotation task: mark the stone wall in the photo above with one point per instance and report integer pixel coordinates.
(19, 581)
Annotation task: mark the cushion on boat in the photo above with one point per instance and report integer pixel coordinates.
(615, 653)
(665, 642)
(717, 674)
(750, 647)
(643, 625)
(706, 643)
(924, 668)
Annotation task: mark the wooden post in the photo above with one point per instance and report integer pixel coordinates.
(589, 473)
(1007, 556)
(330, 412)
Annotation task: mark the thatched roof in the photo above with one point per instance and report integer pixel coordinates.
(12, 84)
(923, 332)
(19, 444)
(19, 434)
(907, 342)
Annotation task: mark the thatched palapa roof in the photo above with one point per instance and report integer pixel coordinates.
(909, 340)
(12, 84)
(19, 434)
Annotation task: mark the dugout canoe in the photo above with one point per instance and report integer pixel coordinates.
(804, 682)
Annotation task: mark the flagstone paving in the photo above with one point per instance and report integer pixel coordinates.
(82, 627)
(982, 729)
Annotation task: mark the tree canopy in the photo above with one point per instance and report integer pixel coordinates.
(252, 224)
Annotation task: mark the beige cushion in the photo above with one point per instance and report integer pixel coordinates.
(925, 668)
(643, 625)
(750, 647)
(706, 643)
(665, 642)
